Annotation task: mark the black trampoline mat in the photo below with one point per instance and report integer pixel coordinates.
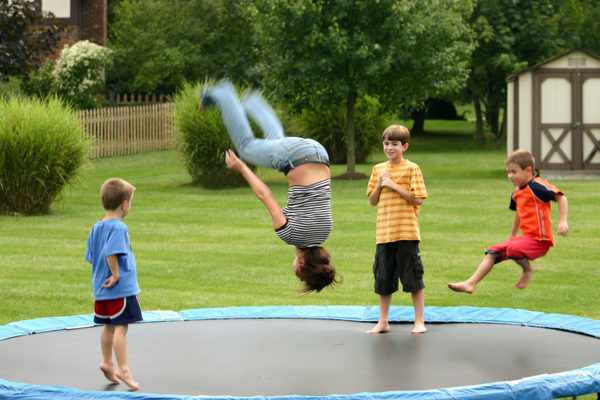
(292, 356)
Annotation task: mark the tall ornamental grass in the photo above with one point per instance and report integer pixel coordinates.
(41, 150)
(203, 140)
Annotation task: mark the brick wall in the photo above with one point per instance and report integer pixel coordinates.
(93, 21)
(69, 36)
(88, 23)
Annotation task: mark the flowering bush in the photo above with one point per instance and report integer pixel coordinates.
(79, 73)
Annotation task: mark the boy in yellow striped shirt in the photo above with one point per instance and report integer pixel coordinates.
(398, 190)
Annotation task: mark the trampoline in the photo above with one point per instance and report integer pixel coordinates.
(309, 352)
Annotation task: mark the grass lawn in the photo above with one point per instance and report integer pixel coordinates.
(199, 248)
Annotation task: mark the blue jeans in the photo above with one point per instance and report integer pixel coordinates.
(276, 150)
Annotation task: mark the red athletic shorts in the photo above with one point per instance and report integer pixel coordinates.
(519, 247)
(123, 311)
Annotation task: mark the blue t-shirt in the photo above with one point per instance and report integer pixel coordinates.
(111, 238)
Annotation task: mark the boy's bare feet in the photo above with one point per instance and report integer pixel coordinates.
(527, 273)
(109, 373)
(127, 378)
(381, 327)
(418, 329)
(462, 287)
(524, 281)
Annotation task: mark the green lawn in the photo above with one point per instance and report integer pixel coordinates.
(200, 248)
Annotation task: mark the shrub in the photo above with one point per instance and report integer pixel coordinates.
(79, 73)
(10, 88)
(329, 128)
(40, 82)
(41, 150)
(203, 140)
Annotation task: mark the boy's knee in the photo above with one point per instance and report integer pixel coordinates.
(495, 257)
(121, 329)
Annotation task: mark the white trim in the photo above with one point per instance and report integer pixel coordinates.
(115, 315)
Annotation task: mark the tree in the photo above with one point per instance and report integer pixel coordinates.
(511, 35)
(578, 25)
(159, 44)
(324, 53)
(26, 36)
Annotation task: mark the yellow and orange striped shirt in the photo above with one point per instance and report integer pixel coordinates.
(396, 219)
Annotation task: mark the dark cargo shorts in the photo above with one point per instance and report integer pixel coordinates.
(398, 261)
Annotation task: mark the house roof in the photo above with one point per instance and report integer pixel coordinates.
(588, 53)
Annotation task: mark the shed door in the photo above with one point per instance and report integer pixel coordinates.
(590, 119)
(566, 131)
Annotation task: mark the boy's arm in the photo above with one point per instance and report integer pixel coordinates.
(374, 196)
(409, 197)
(563, 210)
(374, 187)
(259, 188)
(113, 264)
(515, 227)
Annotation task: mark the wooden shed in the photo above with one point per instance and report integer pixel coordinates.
(553, 110)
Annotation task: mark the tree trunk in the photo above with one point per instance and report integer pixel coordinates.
(502, 136)
(350, 147)
(479, 138)
(418, 122)
(491, 115)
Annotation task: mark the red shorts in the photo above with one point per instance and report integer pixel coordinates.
(123, 311)
(519, 247)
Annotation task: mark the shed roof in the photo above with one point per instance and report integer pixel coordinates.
(513, 76)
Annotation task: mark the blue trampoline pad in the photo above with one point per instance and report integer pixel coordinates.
(294, 353)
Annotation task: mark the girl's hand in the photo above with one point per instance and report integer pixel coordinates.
(233, 162)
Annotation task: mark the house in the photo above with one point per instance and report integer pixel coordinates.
(81, 19)
(553, 110)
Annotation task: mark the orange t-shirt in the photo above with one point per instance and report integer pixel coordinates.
(396, 219)
(532, 203)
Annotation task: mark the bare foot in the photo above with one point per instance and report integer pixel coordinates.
(418, 329)
(524, 281)
(462, 287)
(381, 327)
(109, 373)
(127, 379)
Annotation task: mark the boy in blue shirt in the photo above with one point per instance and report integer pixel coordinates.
(114, 279)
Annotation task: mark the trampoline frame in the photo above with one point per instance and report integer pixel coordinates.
(546, 386)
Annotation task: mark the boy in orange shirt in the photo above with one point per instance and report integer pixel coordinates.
(398, 190)
(531, 201)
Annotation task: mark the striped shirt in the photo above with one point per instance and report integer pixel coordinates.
(308, 214)
(396, 219)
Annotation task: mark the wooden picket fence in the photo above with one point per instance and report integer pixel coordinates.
(119, 131)
(119, 99)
